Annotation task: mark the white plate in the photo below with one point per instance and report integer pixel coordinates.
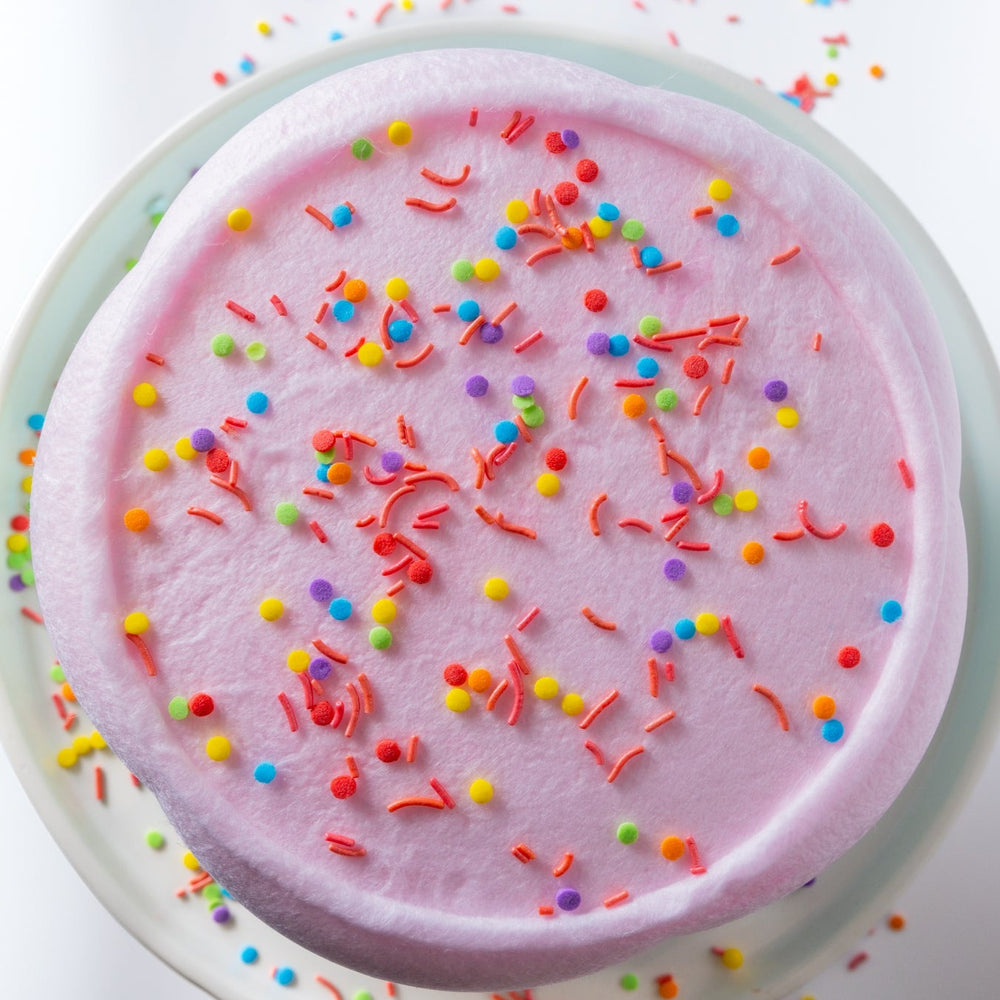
(783, 944)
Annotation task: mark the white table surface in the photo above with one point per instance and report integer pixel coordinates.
(86, 87)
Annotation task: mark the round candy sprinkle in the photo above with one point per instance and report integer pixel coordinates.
(370, 354)
(633, 405)
(221, 914)
(599, 228)
(320, 668)
(343, 311)
(136, 519)
(833, 730)
(586, 171)
(647, 367)
(399, 133)
(848, 657)
(706, 623)
(455, 674)
(723, 504)
(753, 553)
(745, 500)
(728, 225)
(338, 474)
(555, 459)
(155, 839)
(695, 366)
(343, 786)
(257, 402)
(388, 751)
(420, 571)
(384, 610)
(271, 609)
(190, 862)
(486, 269)
(775, 390)
(480, 679)
(732, 958)
(468, 310)
(630, 981)
(719, 189)
(505, 431)
(156, 459)
(568, 899)
(457, 699)
(201, 704)
(882, 535)
(522, 385)
(265, 772)
(136, 623)
(672, 848)
(824, 707)
(341, 216)
(758, 458)
(572, 704)
(400, 331)
(496, 588)
(570, 138)
(491, 333)
(321, 590)
(380, 637)
(321, 713)
(682, 492)
(476, 386)
(566, 192)
(651, 256)
(298, 661)
(661, 640)
(203, 439)
(249, 955)
(618, 345)
(144, 394)
(684, 628)
(547, 484)
(891, 611)
(480, 791)
(546, 688)
(178, 709)
(506, 238)
(597, 343)
(522, 402)
(286, 513)
(674, 569)
(595, 299)
(554, 142)
(66, 757)
(217, 748)
(222, 344)
(627, 833)
(607, 211)
(397, 289)
(255, 350)
(633, 229)
(665, 399)
(362, 149)
(239, 220)
(787, 417)
(355, 290)
(36, 421)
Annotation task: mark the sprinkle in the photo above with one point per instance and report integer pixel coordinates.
(207, 514)
(239, 220)
(446, 181)
(563, 866)
(601, 623)
(317, 341)
(495, 695)
(891, 611)
(788, 536)
(803, 512)
(136, 640)
(622, 761)
(523, 853)
(480, 791)
(544, 252)
(516, 654)
(697, 868)
(528, 341)
(598, 708)
(574, 399)
(904, 471)
(293, 724)
(778, 707)
(817, 340)
(634, 522)
(714, 489)
(781, 258)
(700, 401)
(657, 722)
(687, 467)
(429, 206)
(519, 129)
(592, 515)
(496, 588)
(700, 210)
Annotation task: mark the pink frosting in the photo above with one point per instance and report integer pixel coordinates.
(437, 898)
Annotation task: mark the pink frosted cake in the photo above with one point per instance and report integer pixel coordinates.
(508, 517)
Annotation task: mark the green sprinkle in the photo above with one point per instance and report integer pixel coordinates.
(56, 673)
(286, 513)
(155, 839)
(633, 229)
(380, 637)
(155, 218)
(362, 149)
(131, 262)
(362, 995)
(178, 708)
(629, 981)
(326, 456)
(649, 325)
(212, 893)
(628, 833)
(833, 52)
(522, 402)
(256, 350)
(28, 576)
(222, 344)
(666, 399)
(17, 560)
(723, 504)
(533, 416)
(462, 270)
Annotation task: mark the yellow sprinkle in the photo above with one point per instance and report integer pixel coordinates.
(399, 133)
(265, 29)
(758, 458)
(298, 661)
(66, 757)
(487, 269)
(156, 460)
(480, 679)
(732, 958)
(787, 417)
(340, 472)
(546, 688)
(17, 543)
(517, 211)
(457, 699)
(97, 741)
(824, 707)
(633, 405)
(384, 611)
(184, 450)
(753, 553)
(239, 220)
(480, 791)
(496, 588)
(831, 79)
(370, 354)
(745, 500)
(397, 289)
(26, 484)
(547, 484)
(599, 228)
(81, 746)
(190, 862)
(572, 704)
(136, 623)
(719, 189)
(706, 623)
(217, 748)
(144, 394)
(136, 519)
(271, 609)
(672, 848)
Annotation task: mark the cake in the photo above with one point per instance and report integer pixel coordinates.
(508, 517)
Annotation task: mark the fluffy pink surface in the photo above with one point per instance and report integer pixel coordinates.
(437, 899)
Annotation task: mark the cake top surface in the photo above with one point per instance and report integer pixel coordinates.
(519, 516)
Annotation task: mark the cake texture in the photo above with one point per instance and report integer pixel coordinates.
(508, 516)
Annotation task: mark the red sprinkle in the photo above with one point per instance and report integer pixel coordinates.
(217, 460)
(849, 656)
(555, 459)
(384, 544)
(322, 715)
(387, 751)
(586, 171)
(343, 786)
(595, 300)
(882, 535)
(201, 704)
(554, 142)
(455, 674)
(566, 192)
(420, 571)
(695, 366)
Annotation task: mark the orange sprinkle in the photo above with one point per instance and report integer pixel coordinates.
(654, 677)
(516, 654)
(603, 623)
(700, 401)
(727, 371)
(415, 800)
(387, 506)
(700, 210)
(598, 708)
(788, 536)
(786, 256)
(634, 522)
(355, 709)
(319, 216)
(471, 329)
(532, 338)
(446, 181)
(563, 866)
(316, 341)
(574, 398)
(495, 694)
(416, 359)
(147, 657)
(352, 766)
(595, 750)
(329, 651)
(592, 516)
(98, 783)
(544, 252)
(616, 899)
(778, 707)
(367, 699)
(430, 206)
(207, 514)
(904, 471)
(411, 749)
(395, 588)
(545, 911)
(504, 313)
(657, 722)
(667, 266)
(687, 467)
(337, 282)
(410, 544)
(623, 760)
(817, 340)
(484, 514)
(441, 307)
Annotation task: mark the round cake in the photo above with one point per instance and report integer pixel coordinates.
(508, 516)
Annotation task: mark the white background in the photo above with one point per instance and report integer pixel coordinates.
(85, 87)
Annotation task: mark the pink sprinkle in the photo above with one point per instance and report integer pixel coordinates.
(859, 959)
(904, 471)
(382, 11)
(240, 311)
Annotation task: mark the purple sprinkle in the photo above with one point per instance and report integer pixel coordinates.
(661, 640)
(392, 461)
(597, 343)
(16, 584)
(570, 138)
(476, 385)
(775, 390)
(202, 439)
(568, 899)
(320, 668)
(221, 914)
(522, 385)
(321, 590)
(674, 569)
(682, 492)
(491, 333)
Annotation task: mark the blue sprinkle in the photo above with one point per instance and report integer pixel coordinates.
(335, 36)
(468, 310)
(343, 310)
(256, 402)
(728, 225)
(651, 256)
(400, 330)
(607, 211)
(892, 611)
(617, 345)
(264, 772)
(647, 367)
(321, 471)
(341, 216)
(684, 628)
(506, 431)
(284, 976)
(340, 608)
(246, 66)
(791, 98)
(36, 420)
(249, 955)
(833, 730)
(506, 239)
